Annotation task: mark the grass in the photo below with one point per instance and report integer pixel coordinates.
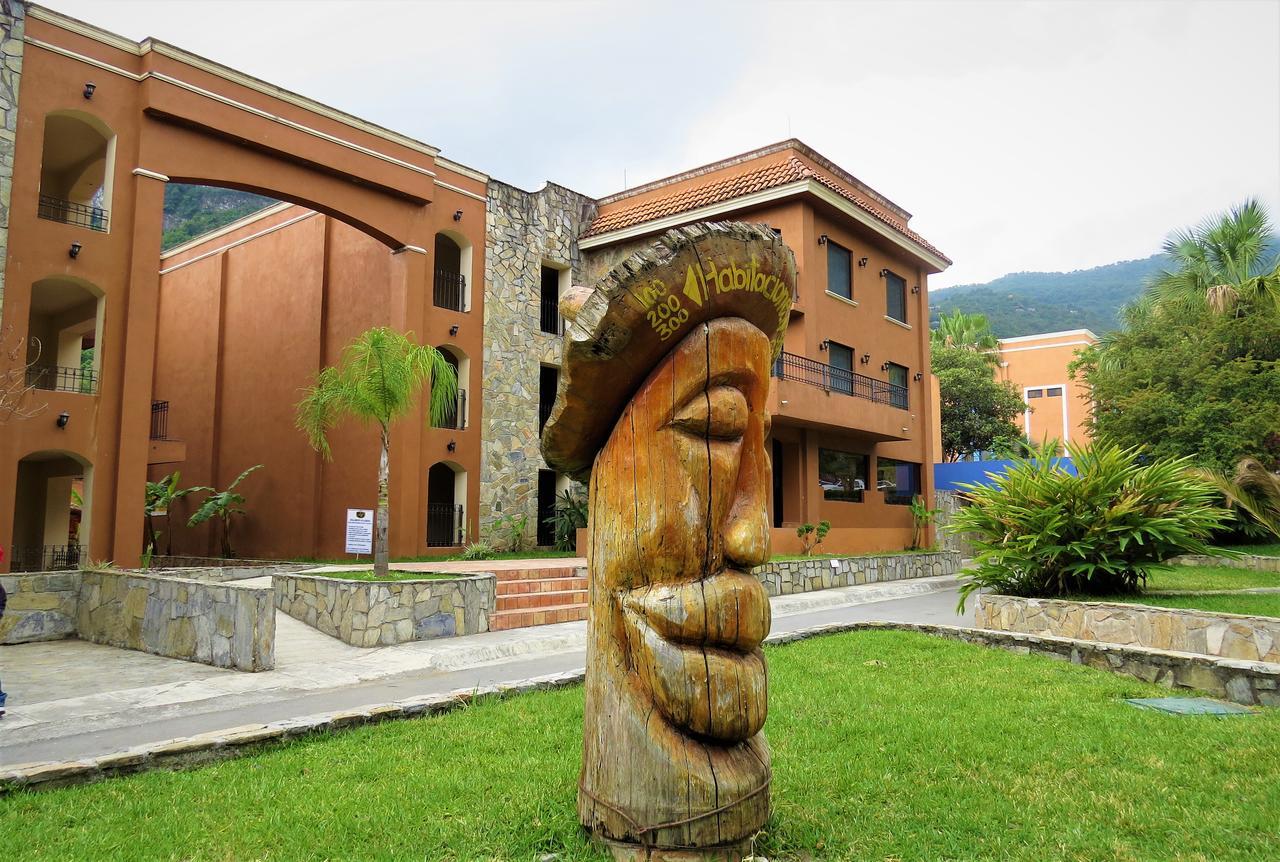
(1265, 605)
(1263, 550)
(532, 554)
(887, 745)
(1210, 578)
(368, 575)
(1207, 578)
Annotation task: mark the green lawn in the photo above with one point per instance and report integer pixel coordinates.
(1210, 578)
(1264, 550)
(368, 575)
(779, 558)
(887, 745)
(1265, 605)
(532, 554)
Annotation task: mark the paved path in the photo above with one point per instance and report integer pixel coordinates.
(73, 699)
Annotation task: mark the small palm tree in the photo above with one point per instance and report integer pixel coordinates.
(375, 381)
(967, 331)
(1222, 262)
(1253, 488)
(223, 505)
(159, 501)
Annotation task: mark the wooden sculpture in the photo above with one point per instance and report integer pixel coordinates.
(662, 403)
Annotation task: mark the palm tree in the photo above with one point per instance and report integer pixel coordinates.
(375, 381)
(1222, 262)
(966, 331)
(1253, 488)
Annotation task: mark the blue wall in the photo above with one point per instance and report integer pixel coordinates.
(948, 477)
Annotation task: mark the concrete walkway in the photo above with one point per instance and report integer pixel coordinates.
(72, 699)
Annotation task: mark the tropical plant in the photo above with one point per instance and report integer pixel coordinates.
(221, 505)
(480, 550)
(511, 531)
(977, 411)
(811, 536)
(160, 498)
(1252, 488)
(570, 515)
(1039, 531)
(966, 332)
(1222, 263)
(375, 381)
(921, 517)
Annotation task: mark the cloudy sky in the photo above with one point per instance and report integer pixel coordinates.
(1023, 136)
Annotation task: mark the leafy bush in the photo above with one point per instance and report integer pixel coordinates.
(477, 551)
(1039, 531)
(570, 516)
(811, 536)
(510, 532)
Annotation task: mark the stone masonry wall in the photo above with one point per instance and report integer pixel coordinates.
(12, 26)
(1226, 635)
(369, 613)
(524, 229)
(224, 625)
(1248, 561)
(785, 577)
(42, 607)
(948, 503)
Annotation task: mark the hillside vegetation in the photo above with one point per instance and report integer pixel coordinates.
(190, 211)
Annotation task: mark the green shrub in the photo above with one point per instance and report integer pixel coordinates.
(477, 551)
(1039, 531)
(811, 536)
(570, 516)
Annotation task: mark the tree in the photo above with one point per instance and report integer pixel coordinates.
(978, 412)
(1254, 489)
(1221, 263)
(967, 331)
(1189, 381)
(159, 501)
(375, 381)
(223, 505)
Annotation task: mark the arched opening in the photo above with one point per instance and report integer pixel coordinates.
(452, 266)
(446, 500)
(64, 335)
(75, 170)
(51, 512)
(456, 357)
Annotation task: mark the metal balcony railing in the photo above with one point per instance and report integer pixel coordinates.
(444, 525)
(544, 412)
(60, 379)
(159, 420)
(456, 419)
(549, 315)
(832, 379)
(70, 212)
(450, 290)
(46, 558)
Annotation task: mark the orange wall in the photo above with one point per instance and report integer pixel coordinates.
(1041, 362)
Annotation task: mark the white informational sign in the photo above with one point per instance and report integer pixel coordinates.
(359, 531)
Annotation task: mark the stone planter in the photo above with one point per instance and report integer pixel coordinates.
(783, 578)
(42, 606)
(1226, 635)
(380, 613)
(1248, 561)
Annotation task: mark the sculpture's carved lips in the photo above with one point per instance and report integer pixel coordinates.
(698, 651)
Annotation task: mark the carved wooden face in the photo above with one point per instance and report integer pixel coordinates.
(681, 485)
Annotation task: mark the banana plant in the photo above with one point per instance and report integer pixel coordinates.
(222, 505)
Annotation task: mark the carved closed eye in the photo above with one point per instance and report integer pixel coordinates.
(719, 414)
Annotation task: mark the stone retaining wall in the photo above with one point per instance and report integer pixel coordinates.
(42, 606)
(1227, 635)
(378, 613)
(948, 503)
(222, 574)
(224, 625)
(1248, 561)
(783, 578)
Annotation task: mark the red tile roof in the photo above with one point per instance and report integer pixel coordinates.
(780, 173)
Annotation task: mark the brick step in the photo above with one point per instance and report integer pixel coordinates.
(540, 585)
(535, 574)
(503, 620)
(532, 601)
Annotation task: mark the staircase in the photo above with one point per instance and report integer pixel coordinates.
(536, 597)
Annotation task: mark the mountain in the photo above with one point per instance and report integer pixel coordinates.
(190, 211)
(1024, 303)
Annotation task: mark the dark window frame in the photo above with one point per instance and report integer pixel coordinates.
(890, 277)
(854, 494)
(833, 247)
(894, 497)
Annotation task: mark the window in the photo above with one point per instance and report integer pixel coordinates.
(1053, 392)
(895, 287)
(841, 372)
(898, 385)
(839, 270)
(842, 475)
(898, 480)
(1035, 393)
(548, 383)
(550, 306)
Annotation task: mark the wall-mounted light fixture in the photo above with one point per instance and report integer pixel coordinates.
(822, 240)
(883, 273)
(453, 330)
(824, 345)
(866, 357)
(457, 215)
(884, 367)
(915, 288)
(89, 87)
(63, 418)
(862, 261)
(74, 251)
(918, 376)
(453, 444)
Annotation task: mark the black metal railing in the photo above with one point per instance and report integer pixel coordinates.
(70, 212)
(444, 525)
(804, 370)
(159, 420)
(450, 290)
(550, 315)
(544, 412)
(47, 558)
(456, 418)
(56, 378)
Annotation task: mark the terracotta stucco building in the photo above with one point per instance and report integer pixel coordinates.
(198, 354)
(1038, 366)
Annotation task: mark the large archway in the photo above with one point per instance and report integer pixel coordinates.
(54, 492)
(76, 170)
(446, 502)
(64, 328)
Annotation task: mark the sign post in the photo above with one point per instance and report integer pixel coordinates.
(359, 531)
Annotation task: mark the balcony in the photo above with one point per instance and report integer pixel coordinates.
(70, 212)
(57, 378)
(549, 316)
(46, 558)
(840, 380)
(456, 418)
(450, 290)
(163, 450)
